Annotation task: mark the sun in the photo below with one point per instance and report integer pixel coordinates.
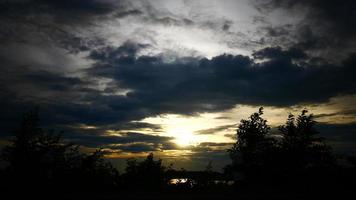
(185, 139)
(184, 130)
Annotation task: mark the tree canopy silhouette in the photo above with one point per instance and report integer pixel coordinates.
(301, 145)
(295, 153)
(39, 158)
(251, 152)
(148, 173)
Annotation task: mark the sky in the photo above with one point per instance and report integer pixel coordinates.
(175, 77)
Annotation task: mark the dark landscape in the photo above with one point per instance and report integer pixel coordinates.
(297, 165)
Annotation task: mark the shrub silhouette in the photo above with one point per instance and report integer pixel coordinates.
(148, 174)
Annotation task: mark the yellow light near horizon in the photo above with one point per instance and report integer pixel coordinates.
(185, 139)
(184, 129)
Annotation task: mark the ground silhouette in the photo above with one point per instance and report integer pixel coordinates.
(295, 162)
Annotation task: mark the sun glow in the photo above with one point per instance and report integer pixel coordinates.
(185, 139)
(185, 130)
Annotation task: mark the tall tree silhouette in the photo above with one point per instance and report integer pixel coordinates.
(251, 152)
(301, 143)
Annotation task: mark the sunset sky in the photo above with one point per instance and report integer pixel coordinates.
(175, 77)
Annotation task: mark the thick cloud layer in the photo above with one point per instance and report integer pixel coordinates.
(283, 78)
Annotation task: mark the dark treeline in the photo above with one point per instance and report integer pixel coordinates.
(295, 160)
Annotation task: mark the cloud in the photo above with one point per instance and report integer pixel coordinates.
(338, 15)
(145, 147)
(285, 77)
(274, 77)
(58, 7)
(64, 23)
(136, 147)
(214, 130)
(277, 53)
(326, 25)
(125, 54)
(21, 16)
(205, 147)
(125, 138)
(278, 31)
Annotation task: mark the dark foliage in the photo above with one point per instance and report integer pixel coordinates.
(42, 160)
(147, 174)
(254, 149)
(301, 145)
(297, 159)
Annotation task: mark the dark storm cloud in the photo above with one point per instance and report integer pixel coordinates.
(53, 21)
(22, 15)
(328, 25)
(277, 53)
(53, 82)
(339, 16)
(80, 8)
(124, 54)
(276, 77)
(95, 6)
(284, 77)
(23, 88)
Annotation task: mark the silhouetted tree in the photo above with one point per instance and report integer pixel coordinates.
(148, 174)
(305, 159)
(38, 158)
(301, 145)
(251, 153)
(300, 157)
